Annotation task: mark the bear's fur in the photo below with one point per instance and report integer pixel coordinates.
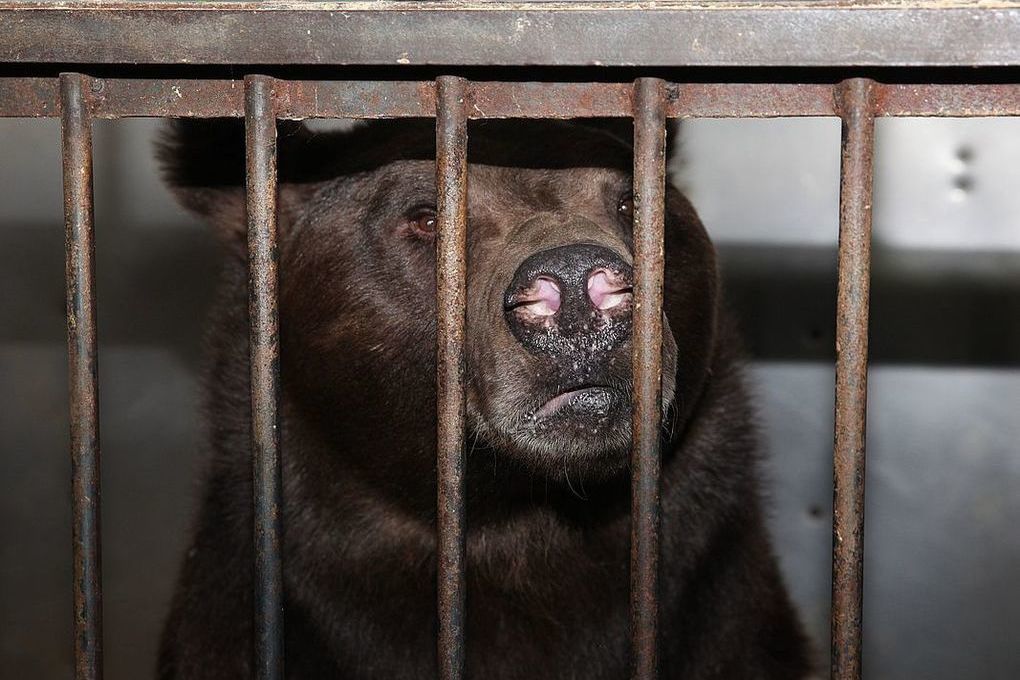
(547, 508)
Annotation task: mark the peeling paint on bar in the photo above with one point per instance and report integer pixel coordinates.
(264, 345)
(83, 372)
(855, 100)
(451, 278)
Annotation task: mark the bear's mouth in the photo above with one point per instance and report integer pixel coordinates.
(582, 402)
(581, 426)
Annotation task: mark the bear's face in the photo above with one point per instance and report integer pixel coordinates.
(549, 299)
(549, 315)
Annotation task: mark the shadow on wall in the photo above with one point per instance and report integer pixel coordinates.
(155, 272)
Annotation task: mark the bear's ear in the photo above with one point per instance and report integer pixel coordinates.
(203, 161)
(623, 130)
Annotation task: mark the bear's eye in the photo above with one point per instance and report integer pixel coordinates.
(422, 222)
(625, 206)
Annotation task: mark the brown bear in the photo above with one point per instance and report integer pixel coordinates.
(548, 366)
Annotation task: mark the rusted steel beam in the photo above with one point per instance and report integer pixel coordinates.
(83, 371)
(358, 99)
(649, 208)
(264, 347)
(948, 100)
(736, 33)
(451, 273)
(855, 98)
(296, 99)
(748, 100)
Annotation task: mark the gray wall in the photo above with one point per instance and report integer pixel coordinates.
(944, 462)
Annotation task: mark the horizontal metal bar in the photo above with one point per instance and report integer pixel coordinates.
(199, 98)
(664, 33)
(952, 101)
(83, 371)
(264, 347)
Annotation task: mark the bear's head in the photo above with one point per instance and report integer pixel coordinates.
(549, 299)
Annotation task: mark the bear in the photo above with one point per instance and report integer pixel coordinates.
(548, 418)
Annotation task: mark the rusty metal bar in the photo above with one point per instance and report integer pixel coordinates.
(264, 339)
(855, 100)
(829, 33)
(199, 98)
(83, 370)
(649, 208)
(947, 100)
(451, 271)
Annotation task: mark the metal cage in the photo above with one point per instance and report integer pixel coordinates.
(649, 61)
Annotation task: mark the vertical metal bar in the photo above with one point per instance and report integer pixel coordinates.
(649, 206)
(855, 104)
(451, 180)
(83, 359)
(264, 338)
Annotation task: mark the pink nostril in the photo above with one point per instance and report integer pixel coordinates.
(542, 298)
(607, 289)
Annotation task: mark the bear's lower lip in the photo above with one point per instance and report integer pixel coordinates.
(595, 400)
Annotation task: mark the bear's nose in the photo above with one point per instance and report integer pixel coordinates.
(570, 298)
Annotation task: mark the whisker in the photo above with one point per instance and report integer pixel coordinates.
(566, 473)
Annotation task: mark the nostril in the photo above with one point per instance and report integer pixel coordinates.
(608, 289)
(541, 298)
(570, 304)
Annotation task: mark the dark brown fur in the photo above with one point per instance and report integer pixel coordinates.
(548, 520)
